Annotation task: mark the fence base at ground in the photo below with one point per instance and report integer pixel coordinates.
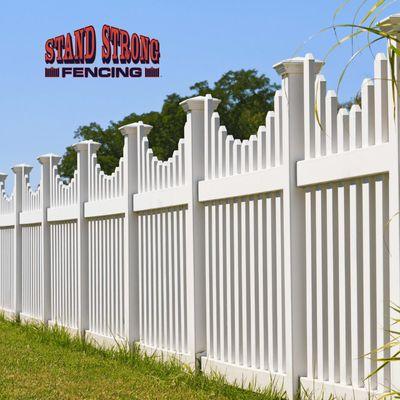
(243, 376)
(29, 319)
(105, 342)
(71, 331)
(168, 355)
(8, 314)
(320, 389)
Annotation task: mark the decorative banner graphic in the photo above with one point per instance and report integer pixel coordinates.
(118, 47)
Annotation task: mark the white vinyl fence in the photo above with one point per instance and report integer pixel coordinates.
(273, 259)
(347, 212)
(245, 278)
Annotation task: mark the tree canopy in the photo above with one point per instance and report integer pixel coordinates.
(245, 95)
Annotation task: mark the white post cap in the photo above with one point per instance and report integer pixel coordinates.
(46, 159)
(296, 65)
(133, 129)
(85, 145)
(390, 24)
(198, 103)
(24, 168)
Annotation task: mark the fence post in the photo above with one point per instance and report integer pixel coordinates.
(390, 24)
(20, 171)
(292, 73)
(47, 161)
(132, 134)
(83, 149)
(199, 110)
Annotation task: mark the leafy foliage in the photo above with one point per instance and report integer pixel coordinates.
(367, 22)
(245, 95)
(245, 99)
(393, 348)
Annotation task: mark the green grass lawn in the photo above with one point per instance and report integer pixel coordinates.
(37, 363)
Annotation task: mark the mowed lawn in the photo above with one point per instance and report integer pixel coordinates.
(36, 363)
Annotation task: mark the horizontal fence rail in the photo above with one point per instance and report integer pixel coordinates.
(272, 260)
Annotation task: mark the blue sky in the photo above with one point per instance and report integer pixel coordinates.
(200, 40)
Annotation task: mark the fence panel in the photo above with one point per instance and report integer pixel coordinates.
(104, 213)
(163, 288)
(64, 261)
(64, 274)
(32, 255)
(106, 277)
(7, 268)
(346, 237)
(11, 252)
(245, 280)
(6, 248)
(32, 271)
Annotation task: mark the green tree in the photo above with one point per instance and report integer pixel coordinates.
(245, 99)
(245, 96)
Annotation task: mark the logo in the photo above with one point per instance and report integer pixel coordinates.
(122, 55)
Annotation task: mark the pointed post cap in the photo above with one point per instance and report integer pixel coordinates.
(390, 24)
(198, 103)
(3, 177)
(134, 128)
(86, 145)
(295, 65)
(47, 159)
(23, 168)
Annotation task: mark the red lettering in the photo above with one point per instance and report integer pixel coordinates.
(59, 46)
(105, 49)
(144, 49)
(90, 48)
(155, 51)
(135, 48)
(115, 42)
(69, 51)
(49, 56)
(79, 35)
(124, 42)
